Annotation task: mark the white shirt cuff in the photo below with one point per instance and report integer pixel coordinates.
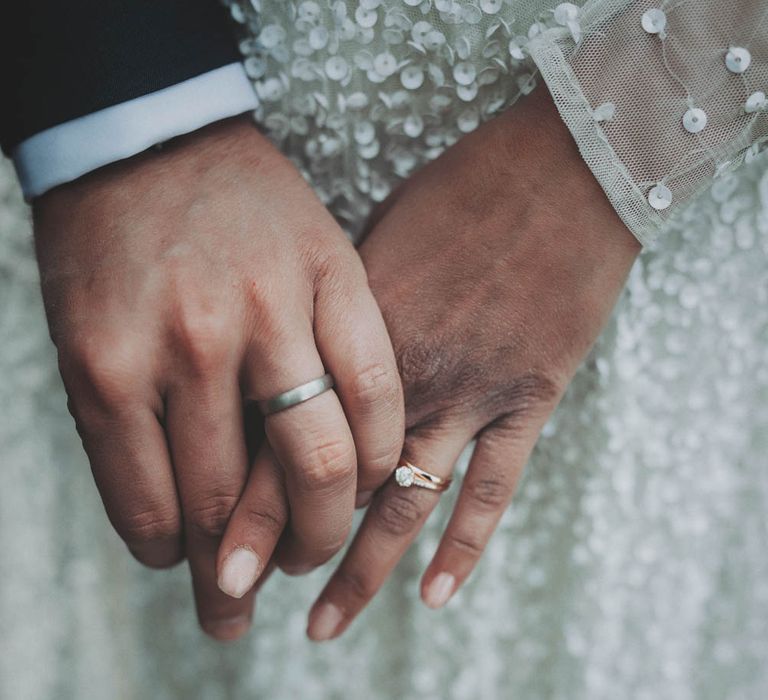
(66, 151)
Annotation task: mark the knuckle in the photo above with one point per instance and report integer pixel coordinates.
(528, 391)
(257, 293)
(325, 552)
(465, 543)
(264, 518)
(328, 463)
(356, 584)
(106, 370)
(323, 259)
(269, 322)
(490, 493)
(384, 460)
(201, 337)
(398, 513)
(210, 516)
(420, 365)
(375, 385)
(149, 527)
(438, 377)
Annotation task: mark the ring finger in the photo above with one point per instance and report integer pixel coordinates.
(313, 443)
(394, 518)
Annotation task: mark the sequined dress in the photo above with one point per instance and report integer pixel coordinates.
(633, 562)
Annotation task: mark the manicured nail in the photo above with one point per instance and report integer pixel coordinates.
(363, 499)
(240, 571)
(228, 629)
(439, 591)
(325, 619)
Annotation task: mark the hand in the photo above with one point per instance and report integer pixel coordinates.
(495, 267)
(179, 284)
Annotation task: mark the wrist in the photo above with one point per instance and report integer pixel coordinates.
(535, 138)
(159, 171)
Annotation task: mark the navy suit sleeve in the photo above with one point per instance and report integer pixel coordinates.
(62, 60)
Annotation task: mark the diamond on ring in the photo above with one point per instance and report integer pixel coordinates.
(407, 475)
(404, 476)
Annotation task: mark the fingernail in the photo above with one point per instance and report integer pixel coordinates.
(363, 498)
(439, 591)
(228, 629)
(324, 622)
(240, 571)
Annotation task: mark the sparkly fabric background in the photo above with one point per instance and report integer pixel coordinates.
(632, 564)
(661, 95)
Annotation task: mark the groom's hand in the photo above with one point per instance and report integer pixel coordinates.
(179, 284)
(495, 268)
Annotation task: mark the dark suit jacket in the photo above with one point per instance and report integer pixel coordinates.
(62, 59)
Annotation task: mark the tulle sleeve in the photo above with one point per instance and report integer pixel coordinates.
(662, 97)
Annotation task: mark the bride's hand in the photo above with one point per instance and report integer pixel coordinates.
(495, 267)
(180, 283)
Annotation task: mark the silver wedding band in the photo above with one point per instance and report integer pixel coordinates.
(297, 395)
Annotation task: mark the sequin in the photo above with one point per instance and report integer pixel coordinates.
(434, 40)
(336, 68)
(472, 14)
(271, 89)
(365, 17)
(464, 73)
(318, 38)
(604, 112)
(255, 66)
(271, 36)
(385, 64)
(654, 21)
(751, 153)
(467, 93)
(515, 50)
(468, 120)
(357, 100)
(660, 196)
(755, 102)
(463, 48)
(370, 150)
(365, 132)
(309, 11)
(737, 59)
(694, 120)
(565, 12)
(413, 125)
(420, 31)
(490, 7)
(412, 77)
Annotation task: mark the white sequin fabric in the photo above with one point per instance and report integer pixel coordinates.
(661, 96)
(633, 562)
(361, 94)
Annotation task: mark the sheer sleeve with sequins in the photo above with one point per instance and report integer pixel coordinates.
(661, 96)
